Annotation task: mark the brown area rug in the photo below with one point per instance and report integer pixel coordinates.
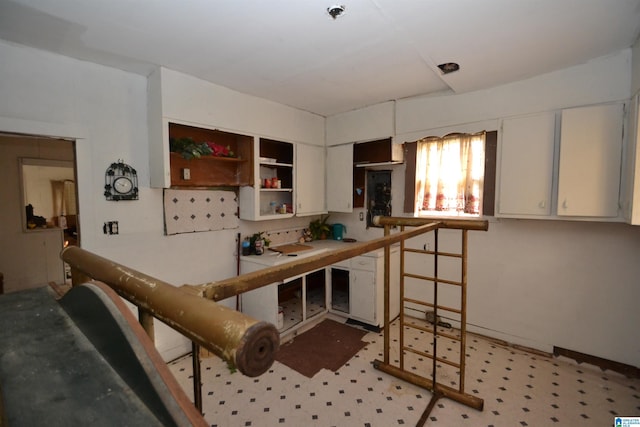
(328, 345)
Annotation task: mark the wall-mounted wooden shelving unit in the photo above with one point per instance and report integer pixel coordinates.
(212, 171)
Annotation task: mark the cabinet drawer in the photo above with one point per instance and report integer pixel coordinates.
(363, 263)
(346, 264)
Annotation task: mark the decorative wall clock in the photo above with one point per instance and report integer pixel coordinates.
(120, 182)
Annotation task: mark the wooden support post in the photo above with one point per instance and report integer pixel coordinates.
(426, 383)
(78, 277)
(146, 321)
(387, 293)
(197, 376)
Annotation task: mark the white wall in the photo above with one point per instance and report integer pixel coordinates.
(635, 68)
(533, 282)
(601, 80)
(106, 109)
(540, 283)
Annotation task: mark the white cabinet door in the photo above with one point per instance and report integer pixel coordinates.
(630, 191)
(261, 303)
(340, 178)
(635, 198)
(362, 298)
(589, 164)
(310, 190)
(526, 165)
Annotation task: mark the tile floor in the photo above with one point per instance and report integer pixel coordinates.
(518, 388)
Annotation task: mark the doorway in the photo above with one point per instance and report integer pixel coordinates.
(378, 195)
(37, 216)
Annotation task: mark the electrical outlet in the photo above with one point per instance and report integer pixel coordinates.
(186, 174)
(361, 216)
(110, 227)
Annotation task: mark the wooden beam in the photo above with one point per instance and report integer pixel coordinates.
(247, 343)
(238, 285)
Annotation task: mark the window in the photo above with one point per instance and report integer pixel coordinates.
(449, 175)
(48, 190)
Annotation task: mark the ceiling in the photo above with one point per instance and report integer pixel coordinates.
(294, 53)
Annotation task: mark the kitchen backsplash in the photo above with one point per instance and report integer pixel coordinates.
(188, 211)
(279, 237)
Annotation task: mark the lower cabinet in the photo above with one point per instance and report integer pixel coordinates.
(289, 304)
(353, 288)
(357, 288)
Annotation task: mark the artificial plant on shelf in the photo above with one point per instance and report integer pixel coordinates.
(190, 149)
(319, 228)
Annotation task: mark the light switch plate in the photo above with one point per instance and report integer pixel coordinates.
(110, 227)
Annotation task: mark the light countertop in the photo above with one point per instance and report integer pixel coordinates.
(271, 258)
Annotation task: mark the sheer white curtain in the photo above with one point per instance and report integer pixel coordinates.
(449, 174)
(69, 196)
(64, 198)
(57, 193)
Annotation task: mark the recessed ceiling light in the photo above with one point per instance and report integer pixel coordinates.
(449, 67)
(336, 10)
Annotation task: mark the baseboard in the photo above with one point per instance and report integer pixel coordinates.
(365, 326)
(604, 364)
(538, 348)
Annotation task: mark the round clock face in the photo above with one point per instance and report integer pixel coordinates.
(122, 185)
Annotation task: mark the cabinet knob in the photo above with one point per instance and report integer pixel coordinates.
(564, 204)
(542, 204)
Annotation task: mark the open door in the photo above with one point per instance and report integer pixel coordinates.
(38, 174)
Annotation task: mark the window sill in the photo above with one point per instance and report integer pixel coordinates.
(448, 215)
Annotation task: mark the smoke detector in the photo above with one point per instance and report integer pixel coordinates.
(336, 11)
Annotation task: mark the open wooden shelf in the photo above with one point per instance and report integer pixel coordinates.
(212, 171)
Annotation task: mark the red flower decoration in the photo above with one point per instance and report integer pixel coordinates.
(219, 150)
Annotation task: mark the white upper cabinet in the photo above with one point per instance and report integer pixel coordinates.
(175, 97)
(340, 178)
(570, 173)
(272, 195)
(526, 165)
(365, 124)
(630, 184)
(634, 214)
(589, 163)
(310, 189)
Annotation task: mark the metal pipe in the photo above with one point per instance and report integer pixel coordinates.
(246, 343)
(387, 293)
(197, 376)
(434, 366)
(432, 384)
(237, 285)
(463, 311)
(227, 288)
(451, 393)
(403, 299)
(460, 224)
